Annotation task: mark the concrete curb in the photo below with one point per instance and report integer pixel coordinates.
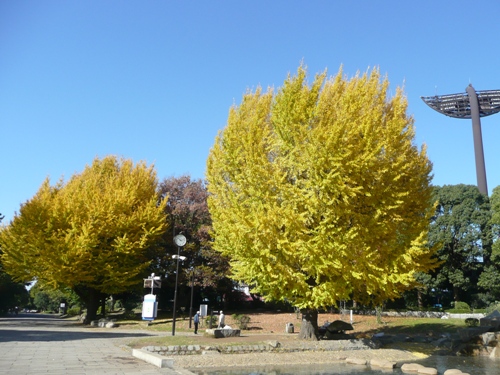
(153, 358)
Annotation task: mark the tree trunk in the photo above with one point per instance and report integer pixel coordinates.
(309, 329)
(378, 313)
(419, 299)
(92, 304)
(103, 305)
(90, 298)
(456, 292)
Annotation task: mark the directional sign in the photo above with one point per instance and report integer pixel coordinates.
(156, 283)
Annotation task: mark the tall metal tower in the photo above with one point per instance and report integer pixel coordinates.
(470, 105)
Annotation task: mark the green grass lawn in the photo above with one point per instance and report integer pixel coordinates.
(413, 326)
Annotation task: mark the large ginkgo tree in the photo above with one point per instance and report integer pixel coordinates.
(318, 193)
(91, 234)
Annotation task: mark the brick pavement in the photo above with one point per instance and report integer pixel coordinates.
(45, 344)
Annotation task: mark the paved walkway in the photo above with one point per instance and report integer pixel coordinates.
(45, 344)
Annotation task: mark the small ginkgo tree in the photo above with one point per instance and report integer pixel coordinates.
(319, 194)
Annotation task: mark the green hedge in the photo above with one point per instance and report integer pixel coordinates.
(459, 311)
(459, 305)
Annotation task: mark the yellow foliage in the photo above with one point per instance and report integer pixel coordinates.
(93, 230)
(318, 194)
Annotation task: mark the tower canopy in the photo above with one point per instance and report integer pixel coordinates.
(458, 105)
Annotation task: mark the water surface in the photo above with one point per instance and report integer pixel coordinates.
(471, 365)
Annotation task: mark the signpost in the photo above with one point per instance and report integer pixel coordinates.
(150, 306)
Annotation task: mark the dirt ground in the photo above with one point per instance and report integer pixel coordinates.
(265, 327)
(275, 323)
(267, 323)
(272, 326)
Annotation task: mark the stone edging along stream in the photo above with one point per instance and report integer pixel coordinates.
(271, 346)
(161, 356)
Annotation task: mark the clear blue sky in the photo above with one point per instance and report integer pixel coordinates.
(154, 80)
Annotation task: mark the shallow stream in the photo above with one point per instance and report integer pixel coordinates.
(471, 365)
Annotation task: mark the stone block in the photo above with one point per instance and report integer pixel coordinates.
(428, 371)
(495, 353)
(489, 339)
(274, 344)
(153, 358)
(356, 361)
(210, 352)
(411, 367)
(382, 363)
(469, 334)
(221, 333)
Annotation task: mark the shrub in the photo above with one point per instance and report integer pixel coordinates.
(493, 307)
(459, 305)
(214, 321)
(128, 315)
(471, 322)
(242, 320)
(480, 311)
(74, 311)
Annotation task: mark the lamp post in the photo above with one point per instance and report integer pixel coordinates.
(191, 304)
(180, 241)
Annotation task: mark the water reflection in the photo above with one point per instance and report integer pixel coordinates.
(471, 365)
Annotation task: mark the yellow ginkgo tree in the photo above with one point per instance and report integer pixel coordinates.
(91, 233)
(318, 193)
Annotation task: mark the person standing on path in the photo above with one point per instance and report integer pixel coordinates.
(196, 320)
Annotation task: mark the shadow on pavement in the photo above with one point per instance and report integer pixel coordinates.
(7, 335)
(47, 327)
(41, 320)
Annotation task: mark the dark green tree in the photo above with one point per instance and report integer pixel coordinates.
(461, 229)
(47, 299)
(490, 277)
